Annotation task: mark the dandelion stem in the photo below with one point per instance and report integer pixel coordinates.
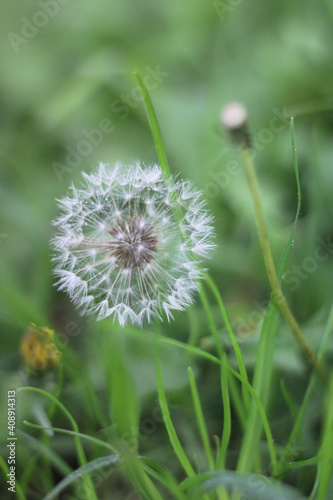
(270, 266)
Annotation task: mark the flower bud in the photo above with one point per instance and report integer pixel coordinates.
(234, 118)
(39, 349)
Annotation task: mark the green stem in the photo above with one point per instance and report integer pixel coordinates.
(270, 267)
(154, 126)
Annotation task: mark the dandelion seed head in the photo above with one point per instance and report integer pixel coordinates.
(120, 250)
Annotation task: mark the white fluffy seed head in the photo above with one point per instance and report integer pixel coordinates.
(234, 115)
(129, 243)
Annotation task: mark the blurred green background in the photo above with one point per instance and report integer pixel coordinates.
(69, 101)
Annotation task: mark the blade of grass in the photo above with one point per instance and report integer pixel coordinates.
(82, 376)
(5, 469)
(238, 403)
(287, 453)
(326, 448)
(80, 452)
(226, 432)
(197, 351)
(42, 417)
(157, 136)
(96, 441)
(82, 471)
(44, 450)
(263, 416)
(164, 477)
(134, 470)
(310, 108)
(288, 399)
(236, 399)
(154, 127)
(124, 403)
(239, 357)
(200, 419)
(252, 487)
(178, 449)
(211, 321)
(28, 472)
(298, 465)
(194, 327)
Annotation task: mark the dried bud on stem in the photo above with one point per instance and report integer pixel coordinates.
(234, 119)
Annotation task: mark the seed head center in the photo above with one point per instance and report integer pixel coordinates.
(133, 242)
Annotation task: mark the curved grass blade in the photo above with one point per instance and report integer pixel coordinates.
(92, 439)
(291, 403)
(226, 432)
(178, 449)
(80, 452)
(45, 440)
(41, 448)
(263, 417)
(200, 419)
(287, 452)
(239, 357)
(164, 477)
(310, 108)
(105, 444)
(237, 400)
(298, 465)
(173, 342)
(94, 465)
(253, 486)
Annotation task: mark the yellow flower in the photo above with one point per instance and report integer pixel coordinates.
(39, 349)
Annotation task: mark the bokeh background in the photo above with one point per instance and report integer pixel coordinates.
(69, 101)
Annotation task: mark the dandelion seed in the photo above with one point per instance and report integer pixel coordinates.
(119, 250)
